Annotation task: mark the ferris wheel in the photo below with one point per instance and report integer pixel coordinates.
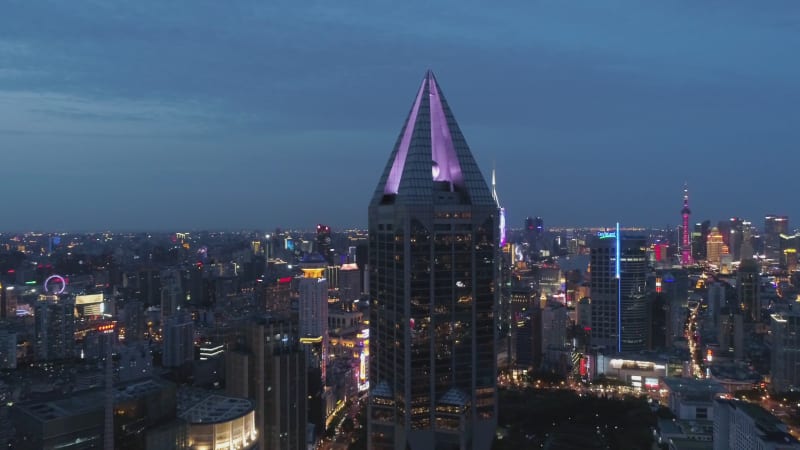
(54, 284)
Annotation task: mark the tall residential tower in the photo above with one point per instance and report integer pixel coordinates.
(433, 236)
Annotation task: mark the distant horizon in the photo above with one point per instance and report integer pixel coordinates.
(336, 229)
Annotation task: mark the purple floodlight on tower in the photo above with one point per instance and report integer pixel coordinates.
(442, 149)
(445, 165)
(396, 174)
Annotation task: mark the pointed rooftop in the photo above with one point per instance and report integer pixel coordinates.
(431, 155)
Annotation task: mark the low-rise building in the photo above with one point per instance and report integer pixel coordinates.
(216, 421)
(691, 399)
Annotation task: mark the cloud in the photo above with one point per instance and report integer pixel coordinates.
(25, 112)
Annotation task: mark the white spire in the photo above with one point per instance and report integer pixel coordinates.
(494, 188)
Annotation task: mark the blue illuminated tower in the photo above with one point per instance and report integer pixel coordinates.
(433, 238)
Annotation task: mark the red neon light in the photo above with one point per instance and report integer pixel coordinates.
(582, 369)
(284, 280)
(12, 271)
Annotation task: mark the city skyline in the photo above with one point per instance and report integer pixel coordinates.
(229, 117)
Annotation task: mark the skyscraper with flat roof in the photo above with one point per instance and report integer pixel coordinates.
(268, 366)
(774, 225)
(433, 237)
(619, 305)
(748, 288)
(178, 333)
(785, 351)
(54, 327)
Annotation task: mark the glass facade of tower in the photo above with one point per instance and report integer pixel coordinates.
(432, 254)
(619, 306)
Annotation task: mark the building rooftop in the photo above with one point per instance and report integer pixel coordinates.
(87, 401)
(138, 389)
(45, 411)
(200, 406)
(689, 388)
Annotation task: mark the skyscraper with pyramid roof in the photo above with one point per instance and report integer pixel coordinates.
(433, 237)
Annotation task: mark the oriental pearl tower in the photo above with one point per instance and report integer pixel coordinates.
(686, 247)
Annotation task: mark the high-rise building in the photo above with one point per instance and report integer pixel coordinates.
(134, 321)
(526, 323)
(268, 366)
(313, 314)
(8, 347)
(619, 305)
(554, 331)
(736, 237)
(746, 250)
(699, 238)
(433, 237)
(785, 351)
(178, 332)
(748, 286)
(349, 283)
(675, 289)
(323, 242)
(527, 339)
(172, 294)
(4, 307)
(773, 227)
(716, 301)
(54, 327)
(715, 247)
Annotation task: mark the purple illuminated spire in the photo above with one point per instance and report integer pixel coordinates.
(431, 149)
(442, 149)
(393, 183)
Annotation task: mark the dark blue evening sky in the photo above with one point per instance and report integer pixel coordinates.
(255, 114)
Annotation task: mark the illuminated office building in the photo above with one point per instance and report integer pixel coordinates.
(313, 304)
(715, 247)
(433, 238)
(619, 304)
(91, 306)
